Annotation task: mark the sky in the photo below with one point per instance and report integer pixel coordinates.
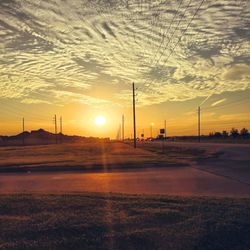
(78, 59)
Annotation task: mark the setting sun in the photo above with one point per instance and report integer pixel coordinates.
(100, 120)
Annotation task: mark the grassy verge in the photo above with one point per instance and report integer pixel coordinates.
(81, 157)
(177, 153)
(109, 221)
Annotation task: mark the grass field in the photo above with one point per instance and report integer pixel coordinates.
(85, 156)
(109, 221)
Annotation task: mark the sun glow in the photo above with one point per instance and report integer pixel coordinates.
(100, 120)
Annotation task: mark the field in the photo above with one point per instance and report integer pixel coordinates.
(88, 157)
(110, 221)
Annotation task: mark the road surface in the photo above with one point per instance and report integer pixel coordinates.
(171, 181)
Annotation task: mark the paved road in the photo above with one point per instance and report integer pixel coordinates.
(228, 176)
(172, 181)
(233, 161)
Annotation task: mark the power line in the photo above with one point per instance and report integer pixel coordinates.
(171, 36)
(169, 27)
(15, 109)
(185, 30)
(182, 16)
(183, 33)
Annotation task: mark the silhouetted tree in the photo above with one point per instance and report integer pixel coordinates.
(217, 134)
(224, 133)
(234, 132)
(244, 132)
(211, 134)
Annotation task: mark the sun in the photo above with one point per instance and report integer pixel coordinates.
(100, 120)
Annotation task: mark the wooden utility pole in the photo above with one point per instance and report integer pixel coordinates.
(60, 124)
(61, 128)
(165, 129)
(199, 124)
(151, 129)
(122, 127)
(23, 132)
(134, 115)
(55, 120)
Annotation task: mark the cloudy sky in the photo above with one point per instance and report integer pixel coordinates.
(78, 58)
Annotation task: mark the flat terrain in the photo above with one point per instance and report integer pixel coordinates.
(177, 169)
(109, 221)
(227, 160)
(80, 157)
(45, 199)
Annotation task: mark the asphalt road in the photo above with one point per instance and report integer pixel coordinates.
(233, 161)
(228, 176)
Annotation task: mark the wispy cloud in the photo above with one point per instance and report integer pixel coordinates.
(47, 46)
(34, 101)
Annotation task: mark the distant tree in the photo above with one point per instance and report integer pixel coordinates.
(217, 134)
(244, 132)
(211, 134)
(224, 133)
(234, 132)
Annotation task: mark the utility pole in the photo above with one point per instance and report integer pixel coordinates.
(199, 124)
(60, 124)
(151, 129)
(120, 137)
(60, 129)
(23, 132)
(123, 120)
(134, 115)
(165, 127)
(55, 120)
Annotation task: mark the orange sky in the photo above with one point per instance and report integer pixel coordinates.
(181, 117)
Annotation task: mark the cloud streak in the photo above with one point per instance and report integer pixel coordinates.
(218, 102)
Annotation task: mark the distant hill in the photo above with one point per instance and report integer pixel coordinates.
(41, 136)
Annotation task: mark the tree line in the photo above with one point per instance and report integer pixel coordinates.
(243, 133)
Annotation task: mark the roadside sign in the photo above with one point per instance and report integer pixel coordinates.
(162, 131)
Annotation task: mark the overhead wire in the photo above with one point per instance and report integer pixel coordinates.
(182, 34)
(170, 37)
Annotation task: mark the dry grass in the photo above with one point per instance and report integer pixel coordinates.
(176, 152)
(80, 156)
(108, 221)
